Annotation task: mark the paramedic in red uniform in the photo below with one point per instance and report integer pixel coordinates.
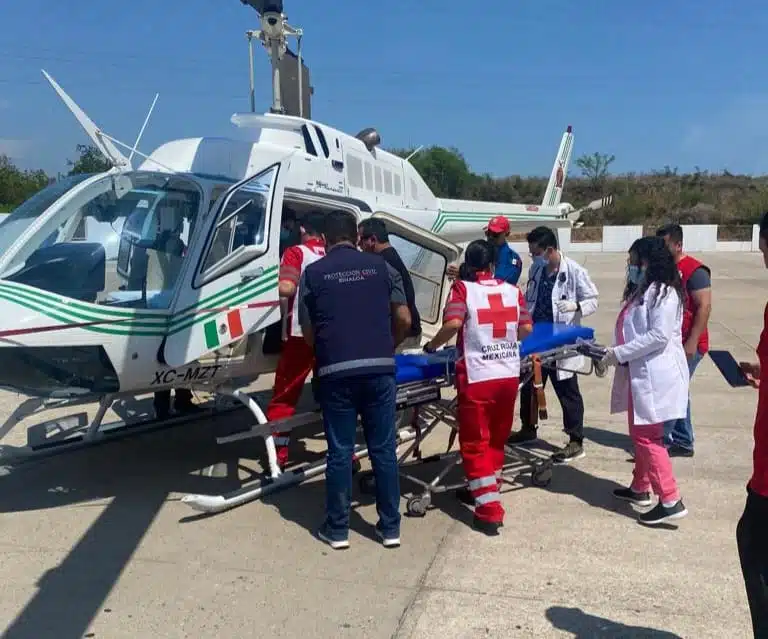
(296, 358)
(678, 433)
(490, 318)
(752, 531)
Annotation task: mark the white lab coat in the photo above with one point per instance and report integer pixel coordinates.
(657, 374)
(574, 285)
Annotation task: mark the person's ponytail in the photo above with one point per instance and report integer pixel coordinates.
(478, 257)
(467, 273)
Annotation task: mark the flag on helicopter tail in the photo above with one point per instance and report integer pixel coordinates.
(218, 331)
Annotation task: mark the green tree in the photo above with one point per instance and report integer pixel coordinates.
(91, 160)
(444, 170)
(17, 185)
(595, 167)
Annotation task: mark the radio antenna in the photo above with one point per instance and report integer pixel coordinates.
(143, 126)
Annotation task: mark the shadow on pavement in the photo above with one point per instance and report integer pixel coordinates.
(609, 439)
(586, 626)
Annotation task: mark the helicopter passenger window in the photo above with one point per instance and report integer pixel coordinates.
(242, 219)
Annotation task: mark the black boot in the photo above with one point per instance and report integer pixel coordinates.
(489, 528)
(182, 403)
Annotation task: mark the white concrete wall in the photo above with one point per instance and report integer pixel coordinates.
(618, 239)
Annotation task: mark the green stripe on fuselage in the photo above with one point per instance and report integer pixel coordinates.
(133, 322)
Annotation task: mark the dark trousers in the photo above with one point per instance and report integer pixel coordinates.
(342, 400)
(752, 538)
(162, 399)
(569, 395)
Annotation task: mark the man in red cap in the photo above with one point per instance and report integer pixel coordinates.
(508, 265)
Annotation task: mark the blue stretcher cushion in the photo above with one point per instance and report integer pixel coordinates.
(545, 337)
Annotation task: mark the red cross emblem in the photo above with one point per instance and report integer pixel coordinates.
(498, 315)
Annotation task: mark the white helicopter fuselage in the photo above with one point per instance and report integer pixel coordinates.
(79, 318)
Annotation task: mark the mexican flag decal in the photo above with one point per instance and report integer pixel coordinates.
(217, 332)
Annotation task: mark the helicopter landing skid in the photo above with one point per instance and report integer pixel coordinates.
(211, 504)
(73, 432)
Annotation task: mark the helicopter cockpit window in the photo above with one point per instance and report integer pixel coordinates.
(121, 241)
(241, 221)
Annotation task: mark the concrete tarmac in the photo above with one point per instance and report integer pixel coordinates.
(97, 544)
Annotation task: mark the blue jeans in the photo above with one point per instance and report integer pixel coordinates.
(342, 400)
(679, 432)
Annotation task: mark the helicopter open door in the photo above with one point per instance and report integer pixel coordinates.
(230, 285)
(426, 256)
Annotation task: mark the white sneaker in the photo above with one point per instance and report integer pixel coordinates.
(333, 543)
(388, 542)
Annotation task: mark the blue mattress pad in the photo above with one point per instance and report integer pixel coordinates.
(545, 337)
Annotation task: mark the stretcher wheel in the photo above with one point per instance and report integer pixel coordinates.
(541, 478)
(367, 484)
(417, 506)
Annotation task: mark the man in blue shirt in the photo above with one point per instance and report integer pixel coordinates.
(508, 265)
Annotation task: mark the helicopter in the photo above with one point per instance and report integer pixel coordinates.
(186, 297)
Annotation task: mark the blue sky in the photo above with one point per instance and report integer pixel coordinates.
(655, 83)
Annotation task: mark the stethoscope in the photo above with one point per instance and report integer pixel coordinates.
(532, 285)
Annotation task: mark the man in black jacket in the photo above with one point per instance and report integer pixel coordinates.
(374, 238)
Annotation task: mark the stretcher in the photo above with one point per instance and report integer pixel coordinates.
(421, 379)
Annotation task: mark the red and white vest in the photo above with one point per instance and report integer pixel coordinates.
(309, 254)
(489, 342)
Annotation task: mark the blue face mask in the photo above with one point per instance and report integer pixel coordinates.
(634, 274)
(540, 261)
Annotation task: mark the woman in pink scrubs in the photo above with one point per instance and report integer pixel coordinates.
(651, 379)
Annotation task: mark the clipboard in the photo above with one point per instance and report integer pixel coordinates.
(729, 368)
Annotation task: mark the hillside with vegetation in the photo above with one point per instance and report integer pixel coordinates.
(734, 202)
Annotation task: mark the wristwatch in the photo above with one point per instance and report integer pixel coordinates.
(427, 349)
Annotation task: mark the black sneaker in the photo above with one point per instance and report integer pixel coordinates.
(679, 451)
(570, 452)
(662, 514)
(627, 494)
(523, 436)
(489, 528)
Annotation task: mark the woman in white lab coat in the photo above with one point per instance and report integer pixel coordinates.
(651, 379)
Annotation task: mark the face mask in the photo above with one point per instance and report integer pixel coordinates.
(634, 274)
(540, 261)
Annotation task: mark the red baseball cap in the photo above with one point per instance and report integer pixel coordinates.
(498, 224)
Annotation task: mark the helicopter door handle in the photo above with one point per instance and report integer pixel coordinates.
(251, 274)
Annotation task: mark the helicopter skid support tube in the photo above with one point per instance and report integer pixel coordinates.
(77, 436)
(211, 504)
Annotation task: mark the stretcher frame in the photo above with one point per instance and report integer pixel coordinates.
(425, 397)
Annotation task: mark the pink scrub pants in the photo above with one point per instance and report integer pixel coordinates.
(653, 467)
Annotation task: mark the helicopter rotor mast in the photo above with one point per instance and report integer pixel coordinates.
(273, 35)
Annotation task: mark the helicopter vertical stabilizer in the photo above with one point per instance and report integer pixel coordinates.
(554, 191)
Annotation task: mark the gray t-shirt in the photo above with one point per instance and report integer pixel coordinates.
(396, 293)
(698, 280)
